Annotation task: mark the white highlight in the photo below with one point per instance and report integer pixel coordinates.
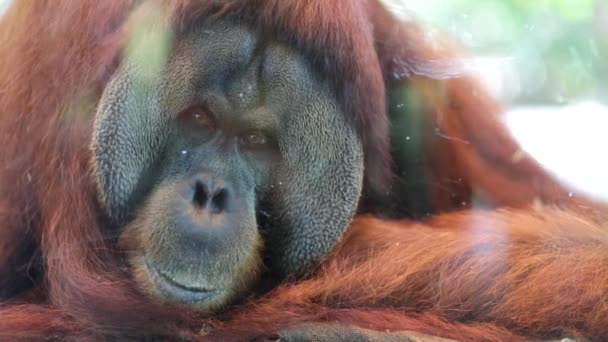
(4, 6)
(570, 141)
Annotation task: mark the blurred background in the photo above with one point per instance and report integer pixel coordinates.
(548, 52)
(547, 60)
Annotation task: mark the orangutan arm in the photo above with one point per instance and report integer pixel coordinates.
(538, 273)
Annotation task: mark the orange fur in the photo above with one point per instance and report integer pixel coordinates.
(469, 275)
(539, 273)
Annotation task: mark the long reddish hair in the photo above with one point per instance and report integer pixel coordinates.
(57, 56)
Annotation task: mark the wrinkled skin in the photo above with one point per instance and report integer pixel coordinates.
(232, 131)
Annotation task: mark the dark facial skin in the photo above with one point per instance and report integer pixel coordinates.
(187, 161)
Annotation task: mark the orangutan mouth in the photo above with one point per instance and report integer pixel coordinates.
(175, 291)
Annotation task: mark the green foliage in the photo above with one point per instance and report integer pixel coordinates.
(556, 43)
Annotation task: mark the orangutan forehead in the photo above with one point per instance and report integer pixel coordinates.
(337, 37)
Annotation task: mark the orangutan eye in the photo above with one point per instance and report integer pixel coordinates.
(254, 139)
(199, 117)
(203, 119)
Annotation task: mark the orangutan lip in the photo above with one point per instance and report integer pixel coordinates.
(176, 292)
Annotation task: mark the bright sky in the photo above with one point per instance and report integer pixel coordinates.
(570, 141)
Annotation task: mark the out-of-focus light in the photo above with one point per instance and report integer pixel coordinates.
(498, 75)
(570, 141)
(4, 5)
